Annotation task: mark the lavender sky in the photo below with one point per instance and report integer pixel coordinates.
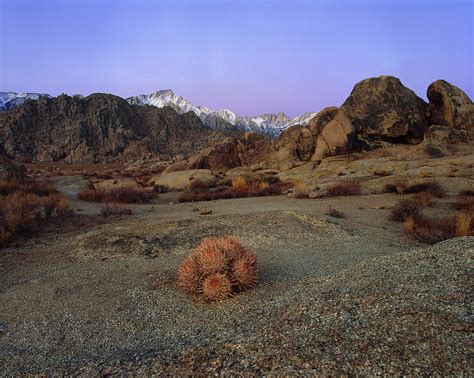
(250, 56)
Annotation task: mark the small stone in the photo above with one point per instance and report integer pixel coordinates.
(205, 211)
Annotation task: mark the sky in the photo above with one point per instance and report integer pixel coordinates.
(250, 56)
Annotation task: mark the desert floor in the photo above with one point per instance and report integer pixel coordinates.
(353, 295)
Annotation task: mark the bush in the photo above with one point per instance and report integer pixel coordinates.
(467, 192)
(334, 213)
(397, 187)
(430, 231)
(463, 203)
(114, 208)
(256, 189)
(218, 268)
(197, 185)
(301, 189)
(422, 199)
(345, 188)
(404, 209)
(119, 195)
(432, 187)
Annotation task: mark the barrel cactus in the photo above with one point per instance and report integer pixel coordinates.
(218, 269)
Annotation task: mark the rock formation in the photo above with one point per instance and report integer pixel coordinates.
(9, 170)
(98, 128)
(449, 106)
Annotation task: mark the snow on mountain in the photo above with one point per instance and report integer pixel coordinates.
(271, 124)
(9, 100)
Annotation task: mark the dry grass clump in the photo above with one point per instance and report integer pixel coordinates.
(119, 195)
(115, 209)
(332, 212)
(26, 203)
(301, 189)
(432, 187)
(240, 189)
(217, 269)
(404, 209)
(463, 203)
(430, 231)
(422, 199)
(344, 188)
(396, 187)
(467, 193)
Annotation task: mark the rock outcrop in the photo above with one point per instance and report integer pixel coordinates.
(449, 106)
(337, 137)
(295, 143)
(316, 124)
(383, 109)
(98, 128)
(182, 179)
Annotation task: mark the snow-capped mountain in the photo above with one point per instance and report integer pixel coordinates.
(9, 100)
(271, 124)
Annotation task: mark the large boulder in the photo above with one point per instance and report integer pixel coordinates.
(446, 134)
(222, 156)
(181, 180)
(383, 109)
(450, 106)
(339, 136)
(9, 170)
(254, 148)
(295, 143)
(316, 124)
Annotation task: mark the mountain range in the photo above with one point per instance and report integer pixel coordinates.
(222, 119)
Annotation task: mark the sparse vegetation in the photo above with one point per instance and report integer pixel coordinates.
(344, 188)
(114, 208)
(332, 212)
(463, 203)
(197, 186)
(119, 195)
(467, 192)
(240, 188)
(432, 187)
(422, 199)
(25, 203)
(301, 189)
(404, 209)
(218, 268)
(396, 187)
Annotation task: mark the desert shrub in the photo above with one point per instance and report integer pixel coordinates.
(332, 212)
(256, 189)
(404, 209)
(432, 187)
(344, 188)
(197, 185)
(120, 195)
(422, 199)
(240, 185)
(466, 192)
(430, 231)
(301, 189)
(396, 187)
(463, 203)
(217, 269)
(19, 210)
(114, 208)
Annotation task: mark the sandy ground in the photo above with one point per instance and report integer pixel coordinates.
(102, 297)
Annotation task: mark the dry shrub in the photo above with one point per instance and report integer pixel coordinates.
(20, 210)
(114, 208)
(404, 209)
(240, 185)
(332, 212)
(218, 268)
(301, 189)
(120, 195)
(432, 187)
(197, 185)
(463, 203)
(256, 189)
(430, 231)
(396, 187)
(422, 199)
(345, 188)
(466, 192)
